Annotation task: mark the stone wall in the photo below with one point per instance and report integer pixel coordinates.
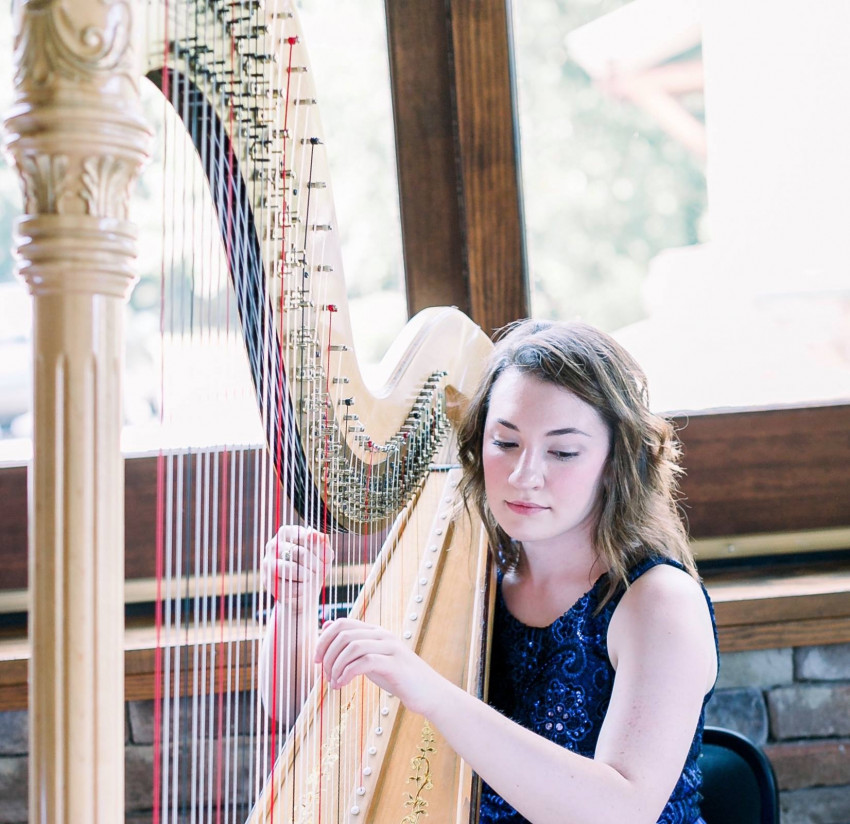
(237, 752)
(795, 703)
(13, 767)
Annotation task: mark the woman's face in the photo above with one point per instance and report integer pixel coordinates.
(543, 453)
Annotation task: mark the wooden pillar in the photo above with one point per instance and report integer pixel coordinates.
(78, 140)
(458, 157)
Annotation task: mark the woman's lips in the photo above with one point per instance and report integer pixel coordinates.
(524, 507)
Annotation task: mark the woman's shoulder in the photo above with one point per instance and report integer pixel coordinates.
(660, 584)
(665, 602)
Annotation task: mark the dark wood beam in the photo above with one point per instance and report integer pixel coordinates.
(766, 471)
(488, 145)
(421, 80)
(747, 473)
(458, 160)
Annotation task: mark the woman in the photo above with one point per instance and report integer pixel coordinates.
(604, 648)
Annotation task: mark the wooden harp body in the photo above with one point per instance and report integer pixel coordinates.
(237, 75)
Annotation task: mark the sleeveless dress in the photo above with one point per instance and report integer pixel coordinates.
(557, 681)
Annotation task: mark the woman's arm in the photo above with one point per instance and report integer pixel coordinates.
(294, 566)
(662, 641)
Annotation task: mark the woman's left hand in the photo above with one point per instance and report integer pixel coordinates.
(348, 648)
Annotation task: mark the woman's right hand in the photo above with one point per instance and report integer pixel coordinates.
(295, 564)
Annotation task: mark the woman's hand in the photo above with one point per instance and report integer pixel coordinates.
(348, 648)
(295, 563)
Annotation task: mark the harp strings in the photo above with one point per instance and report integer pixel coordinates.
(249, 205)
(209, 651)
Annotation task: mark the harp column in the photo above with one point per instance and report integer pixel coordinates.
(78, 139)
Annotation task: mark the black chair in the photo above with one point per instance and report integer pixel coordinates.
(739, 785)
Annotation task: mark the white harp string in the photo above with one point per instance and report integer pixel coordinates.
(263, 429)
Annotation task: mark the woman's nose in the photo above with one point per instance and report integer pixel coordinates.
(528, 471)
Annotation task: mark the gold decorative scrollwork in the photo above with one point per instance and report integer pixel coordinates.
(306, 811)
(421, 766)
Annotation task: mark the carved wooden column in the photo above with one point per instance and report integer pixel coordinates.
(78, 139)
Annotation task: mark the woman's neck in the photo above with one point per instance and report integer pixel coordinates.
(547, 583)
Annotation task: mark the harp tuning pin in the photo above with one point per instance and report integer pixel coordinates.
(331, 307)
(292, 41)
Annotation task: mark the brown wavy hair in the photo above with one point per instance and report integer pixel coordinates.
(638, 508)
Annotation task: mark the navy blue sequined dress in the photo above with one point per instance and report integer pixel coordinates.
(557, 681)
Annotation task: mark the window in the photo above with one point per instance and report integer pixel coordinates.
(686, 179)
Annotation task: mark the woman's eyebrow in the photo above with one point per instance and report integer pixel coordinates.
(567, 430)
(507, 424)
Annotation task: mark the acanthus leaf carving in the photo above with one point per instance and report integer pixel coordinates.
(45, 182)
(106, 186)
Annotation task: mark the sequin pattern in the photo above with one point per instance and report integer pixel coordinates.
(557, 681)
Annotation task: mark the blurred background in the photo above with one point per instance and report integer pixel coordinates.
(686, 187)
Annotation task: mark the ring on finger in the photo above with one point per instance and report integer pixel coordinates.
(287, 555)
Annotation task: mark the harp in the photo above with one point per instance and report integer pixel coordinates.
(79, 141)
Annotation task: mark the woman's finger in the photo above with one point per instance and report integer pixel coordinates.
(292, 572)
(342, 641)
(330, 632)
(303, 544)
(364, 656)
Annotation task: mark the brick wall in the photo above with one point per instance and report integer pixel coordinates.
(795, 703)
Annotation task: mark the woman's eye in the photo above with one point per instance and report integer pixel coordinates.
(563, 456)
(503, 444)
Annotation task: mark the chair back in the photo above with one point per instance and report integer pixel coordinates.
(739, 785)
